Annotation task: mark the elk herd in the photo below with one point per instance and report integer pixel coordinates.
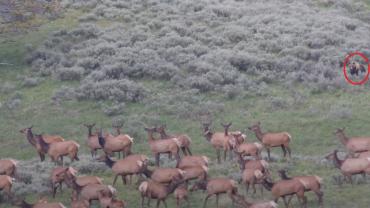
(191, 172)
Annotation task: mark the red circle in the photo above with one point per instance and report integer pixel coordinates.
(364, 80)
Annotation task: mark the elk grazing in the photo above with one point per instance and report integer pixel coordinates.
(24, 204)
(216, 186)
(57, 150)
(191, 161)
(164, 175)
(130, 165)
(219, 140)
(355, 68)
(284, 188)
(314, 184)
(163, 146)
(120, 143)
(6, 183)
(196, 172)
(154, 190)
(252, 177)
(184, 139)
(107, 200)
(8, 167)
(269, 140)
(181, 194)
(350, 166)
(240, 202)
(354, 144)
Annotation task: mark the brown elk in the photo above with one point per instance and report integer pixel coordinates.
(252, 177)
(354, 144)
(59, 174)
(130, 165)
(154, 190)
(157, 147)
(249, 149)
(261, 165)
(164, 175)
(284, 188)
(184, 139)
(24, 204)
(8, 167)
(57, 150)
(219, 140)
(240, 202)
(48, 138)
(120, 143)
(269, 140)
(314, 184)
(6, 183)
(363, 154)
(196, 172)
(124, 137)
(350, 166)
(181, 194)
(216, 186)
(193, 160)
(107, 200)
(92, 140)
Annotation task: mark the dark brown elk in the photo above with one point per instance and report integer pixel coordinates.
(184, 139)
(240, 202)
(354, 144)
(120, 143)
(8, 167)
(154, 190)
(269, 140)
(350, 166)
(6, 183)
(157, 147)
(130, 165)
(24, 204)
(219, 140)
(164, 175)
(57, 150)
(285, 188)
(216, 186)
(355, 68)
(193, 160)
(314, 184)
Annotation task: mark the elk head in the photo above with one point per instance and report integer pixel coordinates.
(255, 127)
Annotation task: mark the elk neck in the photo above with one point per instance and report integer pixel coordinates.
(109, 162)
(90, 132)
(30, 137)
(101, 141)
(343, 138)
(148, 173)
(171, 188)
(337, 162)
(284, 176)
(258, 133)
(268, 184)
(150, 136)
(44, 146)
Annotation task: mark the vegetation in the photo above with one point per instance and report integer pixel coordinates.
(142, 63)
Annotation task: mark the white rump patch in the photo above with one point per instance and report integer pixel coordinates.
(258, 145)
(178, 143)
(143, 187)
(264, 164)
(206, 159)
(205, 168)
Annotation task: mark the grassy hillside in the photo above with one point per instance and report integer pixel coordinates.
(310, 112)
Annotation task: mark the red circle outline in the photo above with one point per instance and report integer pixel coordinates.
(364, 80)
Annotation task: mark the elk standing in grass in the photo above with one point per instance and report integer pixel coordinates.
(191, 161)
(157, 147)
(57, 150)
(164, 175)
(154, 190)
(261, 165)
(8, 167)
(216, 186)
(269, 140)
(196, 172)
(181, 194)
(92, 140)
(314, 184)
(107, 200)
(120, 143)
(249, 149)
(130, 165)
(284, 188)
(354, 144)
(219, 140)
(350, 166)
(184, 139)
(125, 138)
(252, 177)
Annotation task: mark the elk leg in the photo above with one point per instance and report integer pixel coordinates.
(246, 188)
(319, 196)
(142, 200)
(92, 153)
(285, 202)
(158, 202)
(164, 202)
(60, 187)
(284, 151)
(124, 179)
(261, 186)
(183, 149)
(177, 156)
(54, 191)
(218, 156)
(290, 198)
(115, 179)
(217, 200)
(254, 188)
(268, 153)
(289, 151)
(188, 149)
(156, 159)
(205, 200)
(177, 203)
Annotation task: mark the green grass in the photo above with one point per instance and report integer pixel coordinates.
(312, 132)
